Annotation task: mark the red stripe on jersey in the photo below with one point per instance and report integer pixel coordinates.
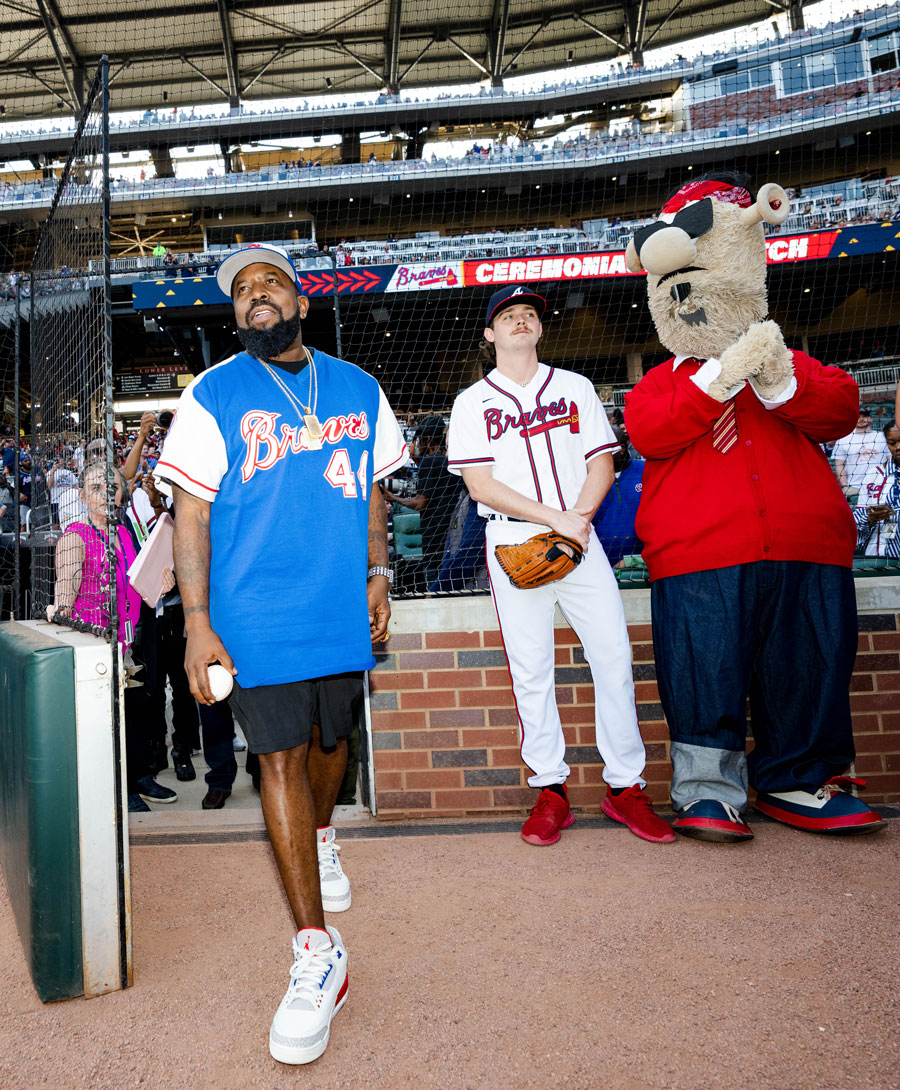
(188, 477)
(537, 483)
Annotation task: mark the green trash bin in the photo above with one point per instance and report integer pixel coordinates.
(63, 826)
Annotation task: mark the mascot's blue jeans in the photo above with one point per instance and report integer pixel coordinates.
(784, 634)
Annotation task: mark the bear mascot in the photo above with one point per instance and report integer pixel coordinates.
(748, 537)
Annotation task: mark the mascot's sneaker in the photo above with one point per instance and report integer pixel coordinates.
(709, 819)
(318, 990)
(829, 810)
(335, 885)
(549, 816)
(634, 808)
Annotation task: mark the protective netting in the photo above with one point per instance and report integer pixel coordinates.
(415, 158)
(72, 498)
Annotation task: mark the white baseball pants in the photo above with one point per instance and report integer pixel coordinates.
(590, 601)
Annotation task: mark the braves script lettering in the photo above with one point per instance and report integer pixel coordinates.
(540, 419)
(267, 445)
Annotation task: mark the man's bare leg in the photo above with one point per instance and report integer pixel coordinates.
(289, 810)
(326, 774)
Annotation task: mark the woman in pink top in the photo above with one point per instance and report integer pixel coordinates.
(82, 562)
(82, 594)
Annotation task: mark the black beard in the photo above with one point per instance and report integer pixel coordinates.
(268, 343)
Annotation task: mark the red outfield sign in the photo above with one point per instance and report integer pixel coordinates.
(608, 264)
(523, 270)
(800, 247)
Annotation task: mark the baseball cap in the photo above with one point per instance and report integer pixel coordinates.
(509, 297)
(431, 427)
(865, 411)
(252, 254)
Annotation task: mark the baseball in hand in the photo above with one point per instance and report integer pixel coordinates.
(220, 681)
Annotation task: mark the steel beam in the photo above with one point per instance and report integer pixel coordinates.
(512, 60)
(231, 61)
(218, 86)
(601, 33)
(636, 21)
(378, 75)
(468, 56)
(392, 47)
(663, 22)
(57, 52)
(496, 40)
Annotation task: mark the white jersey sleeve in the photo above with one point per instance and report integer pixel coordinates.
(390, 447)
(467, 443)
(194, 456)
(597, 436)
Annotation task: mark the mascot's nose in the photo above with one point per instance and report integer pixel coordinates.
(680, 292)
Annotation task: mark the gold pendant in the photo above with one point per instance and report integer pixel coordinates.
(314, 433)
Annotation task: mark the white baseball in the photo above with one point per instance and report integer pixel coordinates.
(220, 681)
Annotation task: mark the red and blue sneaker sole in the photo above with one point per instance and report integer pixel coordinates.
(841, 815)
(708, 819)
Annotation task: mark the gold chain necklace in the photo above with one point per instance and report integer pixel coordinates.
(307, 413)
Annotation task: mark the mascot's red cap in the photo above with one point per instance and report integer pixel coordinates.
(697, 191)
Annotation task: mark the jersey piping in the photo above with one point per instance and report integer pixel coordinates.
(537, 483)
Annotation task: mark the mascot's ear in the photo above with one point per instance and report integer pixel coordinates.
(772, 205)
(632, 260)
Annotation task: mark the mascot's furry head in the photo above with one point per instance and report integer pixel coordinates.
(706, 262)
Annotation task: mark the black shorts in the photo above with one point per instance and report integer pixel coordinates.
(277, 717)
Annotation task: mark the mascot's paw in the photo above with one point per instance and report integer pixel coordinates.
(759, 353)
(777, 362)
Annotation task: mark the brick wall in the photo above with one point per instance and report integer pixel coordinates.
(445, 732)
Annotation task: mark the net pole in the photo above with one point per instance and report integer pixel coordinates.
(106, 342)
(106, 350)
(337, 307)
(17, 399)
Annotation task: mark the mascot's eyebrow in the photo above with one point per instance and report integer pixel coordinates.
(695, 220)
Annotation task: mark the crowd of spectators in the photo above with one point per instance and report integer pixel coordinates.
(631, 143)
(618, 71)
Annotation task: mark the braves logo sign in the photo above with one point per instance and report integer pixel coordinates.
(266, 445)
(557, 414)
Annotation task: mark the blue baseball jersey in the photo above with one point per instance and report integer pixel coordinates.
(288, 523)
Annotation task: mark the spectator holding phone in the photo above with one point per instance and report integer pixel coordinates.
(879, 501)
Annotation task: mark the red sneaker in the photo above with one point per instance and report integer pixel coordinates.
(634, 808)
(549, 816)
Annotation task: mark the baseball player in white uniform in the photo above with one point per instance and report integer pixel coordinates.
(534, 447)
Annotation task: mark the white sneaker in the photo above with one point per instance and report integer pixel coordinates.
(318, 989)
(334, 883)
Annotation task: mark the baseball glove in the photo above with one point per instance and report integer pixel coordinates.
(539, 560)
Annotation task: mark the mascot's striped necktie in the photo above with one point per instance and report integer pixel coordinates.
(725, 430)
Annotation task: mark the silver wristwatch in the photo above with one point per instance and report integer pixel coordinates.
(381, 569)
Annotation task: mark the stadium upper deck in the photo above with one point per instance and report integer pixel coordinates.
(837, 85)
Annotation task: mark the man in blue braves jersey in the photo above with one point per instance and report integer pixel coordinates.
(281, 554)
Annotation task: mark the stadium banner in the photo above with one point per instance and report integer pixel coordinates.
(426, 277)
(440, 275)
